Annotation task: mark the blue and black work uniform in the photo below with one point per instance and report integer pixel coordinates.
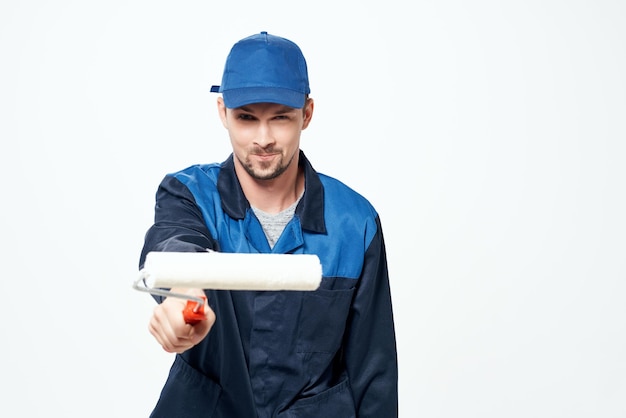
(327, 353)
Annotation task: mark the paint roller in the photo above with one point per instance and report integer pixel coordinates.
(225, 271)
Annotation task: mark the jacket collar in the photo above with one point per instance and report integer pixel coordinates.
(310, 210)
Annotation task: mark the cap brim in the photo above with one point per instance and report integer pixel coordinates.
(240, 97)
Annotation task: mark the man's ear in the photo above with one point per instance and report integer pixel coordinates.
(221, 110)
(308, 112)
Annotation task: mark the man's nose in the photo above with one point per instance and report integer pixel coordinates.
(264, 135)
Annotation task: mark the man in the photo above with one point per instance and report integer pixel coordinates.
(326, 353)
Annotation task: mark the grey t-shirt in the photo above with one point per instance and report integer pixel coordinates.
(274, 223)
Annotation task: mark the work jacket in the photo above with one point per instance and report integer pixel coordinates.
(328, 353)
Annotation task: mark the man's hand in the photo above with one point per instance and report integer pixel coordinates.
(168, 326)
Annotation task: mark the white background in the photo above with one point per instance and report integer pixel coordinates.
(490, 136)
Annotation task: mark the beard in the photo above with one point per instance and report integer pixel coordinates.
(266, 170)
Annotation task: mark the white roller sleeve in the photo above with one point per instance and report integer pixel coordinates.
(230, 271)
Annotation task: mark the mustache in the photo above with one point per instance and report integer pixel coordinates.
(265, 151)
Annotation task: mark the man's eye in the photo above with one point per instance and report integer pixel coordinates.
(244, 116)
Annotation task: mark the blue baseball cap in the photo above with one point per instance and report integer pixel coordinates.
(264, 68)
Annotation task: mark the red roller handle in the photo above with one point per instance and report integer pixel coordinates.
(194, 311)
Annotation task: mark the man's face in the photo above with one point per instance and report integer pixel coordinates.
(265, 136)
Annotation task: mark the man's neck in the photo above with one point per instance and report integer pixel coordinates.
(275, 195)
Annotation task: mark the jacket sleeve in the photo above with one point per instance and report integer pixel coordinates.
(178, 222)
(370, 351)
